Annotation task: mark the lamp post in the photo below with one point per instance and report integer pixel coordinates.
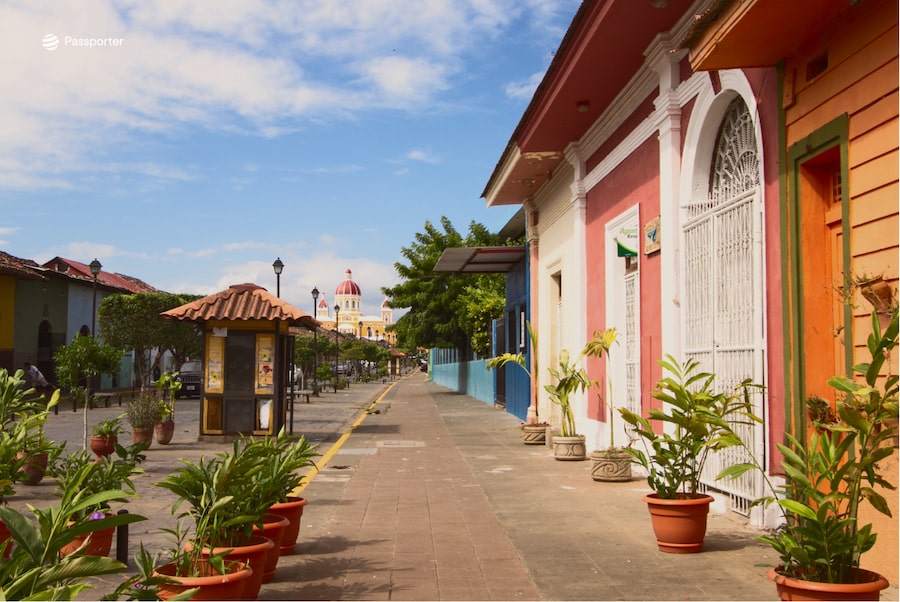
(337, 347)
(278, 266)
(95, 270)
(315, 296)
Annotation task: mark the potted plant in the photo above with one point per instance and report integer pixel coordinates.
(283, 457)
(612, 464)
(569, 379)
(81, 472)
(187, 575)
(105, 436)
(167, 387)
(24, 412)
(829, 479)
(34, 568)
(700, 422)
(224, 505)
(533, 431)
(144, 412)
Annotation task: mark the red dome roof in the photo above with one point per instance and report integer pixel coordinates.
(348, 287)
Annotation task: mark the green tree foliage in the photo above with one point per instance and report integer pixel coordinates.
(437, 315)
(482, 302)
(80, 361)
(133, 322)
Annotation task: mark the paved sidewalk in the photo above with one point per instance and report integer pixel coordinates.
(437, 498)
(432, 496)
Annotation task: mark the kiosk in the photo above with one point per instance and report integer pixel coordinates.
(248, 343)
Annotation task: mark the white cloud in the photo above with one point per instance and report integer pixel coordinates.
(77, 250)
(524, 89)
(251, 67)
(422, 155)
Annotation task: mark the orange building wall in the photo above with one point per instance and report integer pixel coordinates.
(861, 80)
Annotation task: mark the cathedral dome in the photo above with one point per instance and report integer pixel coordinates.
(348, 287)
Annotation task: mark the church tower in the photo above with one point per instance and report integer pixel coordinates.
(348, 296)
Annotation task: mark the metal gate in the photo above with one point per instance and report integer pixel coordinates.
(723, 311)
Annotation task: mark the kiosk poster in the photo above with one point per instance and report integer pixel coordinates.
(265, 358)
(215, 351)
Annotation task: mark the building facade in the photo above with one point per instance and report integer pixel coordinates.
(710, 178)
(350, 319)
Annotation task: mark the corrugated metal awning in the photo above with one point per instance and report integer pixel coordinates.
(479, 260)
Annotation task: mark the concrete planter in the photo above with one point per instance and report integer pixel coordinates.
(611, 466)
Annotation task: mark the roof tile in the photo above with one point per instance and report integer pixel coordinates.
(240, 302)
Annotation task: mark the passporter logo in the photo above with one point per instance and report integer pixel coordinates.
(51, 42)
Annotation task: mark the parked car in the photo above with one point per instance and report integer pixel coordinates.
(191, 378)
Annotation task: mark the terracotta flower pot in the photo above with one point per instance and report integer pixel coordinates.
(142, 435)
(164, 431)
(292, 510)
(4, 535)
(679, 524)
(99, 543)
(103, 446)
(35, 467)
(273, 528)
(212, 585)
(254, 553)
(868, 586)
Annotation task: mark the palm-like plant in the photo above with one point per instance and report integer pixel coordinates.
(601, 343)
(570, 378)
(521, 360)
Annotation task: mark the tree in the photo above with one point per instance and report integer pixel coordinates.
(482, 302)
(436, 316)
(81, 360)
(133, 322)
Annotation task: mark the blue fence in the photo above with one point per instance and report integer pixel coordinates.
(469, 377)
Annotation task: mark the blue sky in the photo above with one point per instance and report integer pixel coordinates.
(191, 142)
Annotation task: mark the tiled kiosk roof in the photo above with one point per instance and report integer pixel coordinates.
(241, 302)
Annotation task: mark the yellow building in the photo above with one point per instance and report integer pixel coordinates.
(351, 321)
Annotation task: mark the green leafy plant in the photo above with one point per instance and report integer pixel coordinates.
(281, 458)
(702, 422)
(109, 473)
(111, 427)
(168, 386)
(222, 498)
(35, 569)
(601, 343)
(23, 414)
(521, 360)
(838, 470)
(570, 378)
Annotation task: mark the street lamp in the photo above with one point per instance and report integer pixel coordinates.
(337, 347)
(315, 296)
(95, 270)
(278, 266)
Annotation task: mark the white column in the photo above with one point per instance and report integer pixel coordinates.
(668, 110)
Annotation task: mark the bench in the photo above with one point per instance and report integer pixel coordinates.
(105, 397)
(303, 393)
